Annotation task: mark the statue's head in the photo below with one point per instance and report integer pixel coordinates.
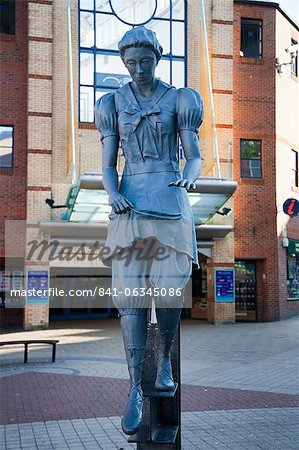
(140, 37)
(140, 51)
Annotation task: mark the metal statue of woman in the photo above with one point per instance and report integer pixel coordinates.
(150, 208)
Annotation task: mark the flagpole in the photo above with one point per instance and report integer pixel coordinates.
(71, 97)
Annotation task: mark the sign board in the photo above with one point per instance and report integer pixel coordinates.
(291, 207)
(37, 292)
(224, 285)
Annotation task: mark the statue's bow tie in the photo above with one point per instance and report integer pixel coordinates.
(138, 115)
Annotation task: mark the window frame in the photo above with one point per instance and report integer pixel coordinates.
(251, 159)
(12, 148)
(294, 63)
(250, 19)
(296, 169)
(169, 57)
(12, 25)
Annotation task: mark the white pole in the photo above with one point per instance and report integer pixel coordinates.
(69, 33)
(204, 25)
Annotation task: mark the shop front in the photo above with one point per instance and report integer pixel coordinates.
(85, 227)
(293, 269)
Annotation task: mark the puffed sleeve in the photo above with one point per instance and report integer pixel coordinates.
(105, 116)
(190, 109)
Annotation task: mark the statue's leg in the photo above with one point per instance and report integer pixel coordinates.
(169, 276)
(128, 274)
(168, 321)
(134, 331)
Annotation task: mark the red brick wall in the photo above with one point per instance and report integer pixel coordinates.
(254, 118)
(13, 111)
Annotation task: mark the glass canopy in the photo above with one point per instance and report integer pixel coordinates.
(88, 202)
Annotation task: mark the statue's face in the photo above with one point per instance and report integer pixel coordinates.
(141, 63)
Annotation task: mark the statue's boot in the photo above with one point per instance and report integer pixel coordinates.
(168, 320)
(134, 330)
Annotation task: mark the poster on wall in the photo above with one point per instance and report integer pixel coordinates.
(224, 285)
(17, 280)
(37, 287)
(4, 280)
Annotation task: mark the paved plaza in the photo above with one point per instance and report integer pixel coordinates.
(240, 387)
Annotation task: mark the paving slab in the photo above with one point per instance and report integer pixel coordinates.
(240, 387)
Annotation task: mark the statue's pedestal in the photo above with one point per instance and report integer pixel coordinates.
(161, 425)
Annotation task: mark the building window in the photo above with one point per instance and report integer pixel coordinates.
(7, 16)
(101, 69)
(251, 158)
(294, 56)
(6, 146)
(251, 38)
(294, 168)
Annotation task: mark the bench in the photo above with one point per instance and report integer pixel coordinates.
(35, 341)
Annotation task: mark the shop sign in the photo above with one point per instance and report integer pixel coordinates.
(37, 292)
(224, 285)
(291, 207)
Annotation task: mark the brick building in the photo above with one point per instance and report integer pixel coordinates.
(265, 160)
(13, 122)
(41, 144)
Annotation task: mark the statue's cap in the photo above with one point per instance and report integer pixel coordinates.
(139, 37)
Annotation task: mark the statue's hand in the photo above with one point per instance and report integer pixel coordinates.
(119, 203)
(183, 182)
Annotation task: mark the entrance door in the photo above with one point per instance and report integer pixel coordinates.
(246, 301)
(78, 301)
(200, 290)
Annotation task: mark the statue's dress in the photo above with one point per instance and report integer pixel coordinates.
(148, 133)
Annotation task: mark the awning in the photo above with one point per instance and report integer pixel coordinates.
(88, 201)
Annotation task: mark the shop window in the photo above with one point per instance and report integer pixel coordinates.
(101, 70)
(251, 158)
(251, 38)
(293, 269)
(7, 16)
(294, 56)
(6, 147)
(294, 168)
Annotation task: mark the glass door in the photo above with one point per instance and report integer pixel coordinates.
(81, 299)
(200, 290)
(246, 301)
